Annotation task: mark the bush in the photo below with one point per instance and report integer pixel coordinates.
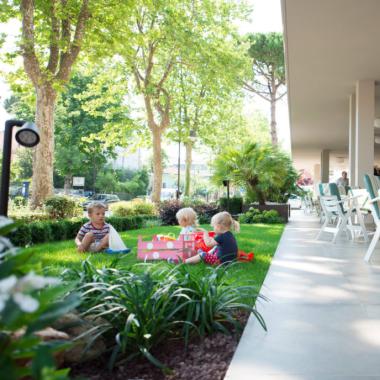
(235, 206)
(26, 309)
(135, 207)
(55, 230)
(61, 207)
(143, 309)
(254, 215)
(169, 209)
(19, 201)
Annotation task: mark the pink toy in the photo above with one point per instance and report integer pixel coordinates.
(180, 249)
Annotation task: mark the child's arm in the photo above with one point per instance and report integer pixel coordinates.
(78, 242)
(209, 241)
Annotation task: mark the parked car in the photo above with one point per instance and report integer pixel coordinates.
(104, 198)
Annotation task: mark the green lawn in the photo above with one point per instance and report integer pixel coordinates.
(262, 239)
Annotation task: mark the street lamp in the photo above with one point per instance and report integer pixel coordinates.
(28, 136)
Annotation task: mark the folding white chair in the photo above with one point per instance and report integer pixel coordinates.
(333, 211)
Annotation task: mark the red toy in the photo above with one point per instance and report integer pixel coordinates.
(200, 243)
(246, 257)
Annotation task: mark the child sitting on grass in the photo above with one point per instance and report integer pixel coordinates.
(93, 235)
(225, 246)
(187, 219)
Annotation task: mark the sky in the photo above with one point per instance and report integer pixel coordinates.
(266, 17)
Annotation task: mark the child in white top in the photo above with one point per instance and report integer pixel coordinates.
(187, 219)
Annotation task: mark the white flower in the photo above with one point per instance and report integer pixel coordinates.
(33, 281)
(12, 287)
(3, 300)
(7, 284)
(26, 303)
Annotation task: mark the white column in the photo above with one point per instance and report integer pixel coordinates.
(325, 165)
(364, 136)
(352, 141)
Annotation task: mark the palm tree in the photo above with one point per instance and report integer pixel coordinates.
(265, 172)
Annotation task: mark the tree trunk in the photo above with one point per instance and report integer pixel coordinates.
(273, 123)
(42, 180)
(189, 159)
(68, 182)
(157, 165)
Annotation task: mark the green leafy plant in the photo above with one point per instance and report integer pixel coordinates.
(266, 173)
(61, 207)
(28, 304)
(135, 207)
(145, 305)
(254, 215)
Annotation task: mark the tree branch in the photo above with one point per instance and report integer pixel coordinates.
(166, 73)
(54, 38)
(69, 57)
(31, 64)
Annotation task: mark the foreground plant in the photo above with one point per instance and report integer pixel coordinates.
(29, 303)
(144, 306)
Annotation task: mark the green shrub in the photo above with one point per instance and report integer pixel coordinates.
(254, 215)
(135, 207)
(121, 209)
(61, 207)
(63, 229)
(25, 307)
(169, 209)
(19, 201)
(235, 205)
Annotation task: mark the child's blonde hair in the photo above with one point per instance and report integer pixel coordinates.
(93, 205)
(225, 219)
(188, 215)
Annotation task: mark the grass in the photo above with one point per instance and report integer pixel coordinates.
(262, 239)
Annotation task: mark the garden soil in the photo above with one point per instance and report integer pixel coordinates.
(206, 359)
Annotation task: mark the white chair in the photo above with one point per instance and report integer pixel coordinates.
(349, 205)
(336, 219)
(375, 210)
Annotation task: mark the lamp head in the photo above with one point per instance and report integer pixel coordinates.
(28, 135)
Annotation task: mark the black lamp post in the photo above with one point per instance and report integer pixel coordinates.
(226, 183)
(28, 136)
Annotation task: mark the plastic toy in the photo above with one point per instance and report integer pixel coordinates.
(246, 257)
(156, 249)
(116, 251)
(200, 243)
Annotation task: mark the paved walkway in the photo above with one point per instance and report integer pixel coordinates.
(324, 315)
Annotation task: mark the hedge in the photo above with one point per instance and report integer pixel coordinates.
(235, 205)
(54, 230)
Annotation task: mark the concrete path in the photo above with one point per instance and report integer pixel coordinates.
(323, 317)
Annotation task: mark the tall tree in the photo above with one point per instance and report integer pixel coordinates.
(165, 34)
(53, 34)
(267, 72)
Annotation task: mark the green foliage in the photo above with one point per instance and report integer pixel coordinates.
(29, 303)
(61, 229)
(267, 53)
(169, 209)
(135, 207)
(61, 207)
(266, 173)
(145, 308)
(235, 204)
(254, 215)
(19, 201)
